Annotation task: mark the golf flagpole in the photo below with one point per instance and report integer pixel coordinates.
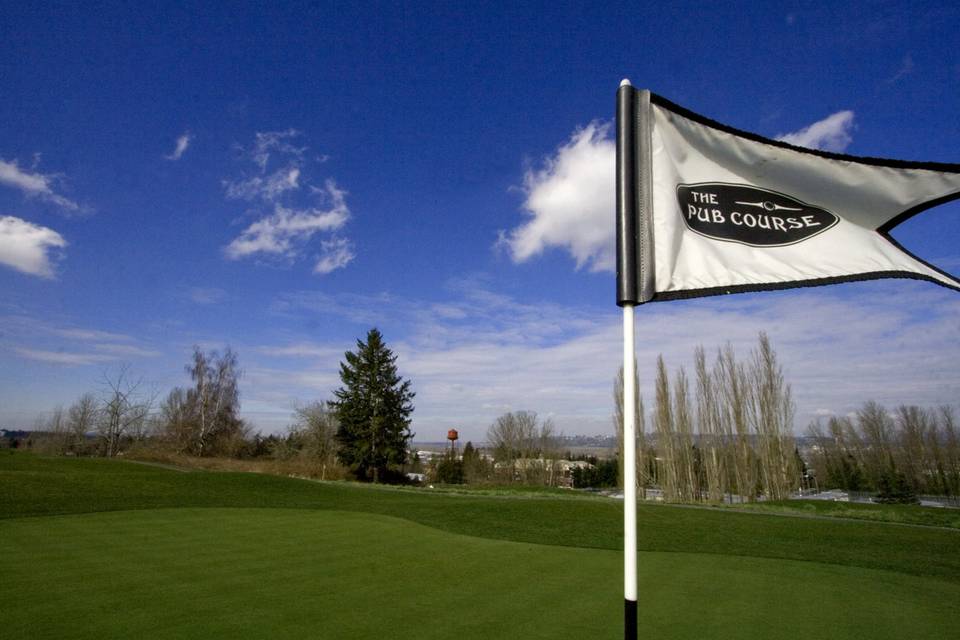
(629, 293)
(629, 478)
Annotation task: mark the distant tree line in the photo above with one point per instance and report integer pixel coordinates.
(897, 454)
(724, 435)
(364, 432)
(522, 449)
(99, 423)
(602, 473)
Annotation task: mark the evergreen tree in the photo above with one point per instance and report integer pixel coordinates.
(894, 487)
(450, 470)
(474, 467)
(373, 408)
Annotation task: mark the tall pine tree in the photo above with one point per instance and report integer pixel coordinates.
(373, 408)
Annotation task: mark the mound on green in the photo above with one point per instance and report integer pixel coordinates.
(106, 549)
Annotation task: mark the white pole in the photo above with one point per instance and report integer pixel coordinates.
(629, 477)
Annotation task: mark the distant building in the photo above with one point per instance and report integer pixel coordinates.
(554, 473)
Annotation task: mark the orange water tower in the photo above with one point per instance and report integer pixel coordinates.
(452, 436)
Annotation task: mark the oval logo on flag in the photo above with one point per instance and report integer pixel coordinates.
(750, 215)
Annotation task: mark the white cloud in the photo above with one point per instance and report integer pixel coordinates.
(270, 142)
(291, 220)
(27, 247)
(35, 338)
(337, 253)
(182, 143)
(283, 232)
(37, 185)
(23, 325)
(830, 134)
(269, 188)
(89, 334)
(126, 350)
(63, 357)
(102, 353)
(501, 353)
(571, 202)
(301, 350)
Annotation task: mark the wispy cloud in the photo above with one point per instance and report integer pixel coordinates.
(498, 353)
(830, 134)
(126, 350)
(292, 217)
(206, 295)
(63, 357)
(284, 232)
(88, 334)
(101, 353)
(183, 142)
(269, 188)
(23, 324)
(336, 253)
(361, 309)
(570, 202)
(905, 69)
(42, 341)
(34, 184)
(269, 143)
(29, 248)
(300, 350)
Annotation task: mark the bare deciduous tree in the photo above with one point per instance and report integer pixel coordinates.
(644, 478)
(82, 419)
(214, 401)
(312, 436)
(687, 487)
(771, 417)
(664, 426)
(877, 433)
(526, 447)
(123, 408)
(176, 421)
(711, 435)
(732, 380)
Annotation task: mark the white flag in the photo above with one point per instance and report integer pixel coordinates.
(715, 210)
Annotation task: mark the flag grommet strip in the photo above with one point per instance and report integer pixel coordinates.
(628, 216)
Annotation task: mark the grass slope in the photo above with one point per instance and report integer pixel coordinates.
(894, 513)
(33, 486)
(295, 573)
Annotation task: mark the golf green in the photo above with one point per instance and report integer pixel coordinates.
(296, 573)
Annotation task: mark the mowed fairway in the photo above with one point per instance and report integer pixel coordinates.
(337, 566)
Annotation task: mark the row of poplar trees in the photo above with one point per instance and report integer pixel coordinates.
(728, 438)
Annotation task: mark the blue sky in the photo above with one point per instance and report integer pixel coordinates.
(280, 180)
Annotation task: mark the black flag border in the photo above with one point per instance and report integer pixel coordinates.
(883, 231)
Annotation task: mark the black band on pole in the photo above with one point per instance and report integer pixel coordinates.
(627, 268)
(629, 620)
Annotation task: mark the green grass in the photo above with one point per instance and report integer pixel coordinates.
(894, 513)
(107, 549)
(281, 573)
